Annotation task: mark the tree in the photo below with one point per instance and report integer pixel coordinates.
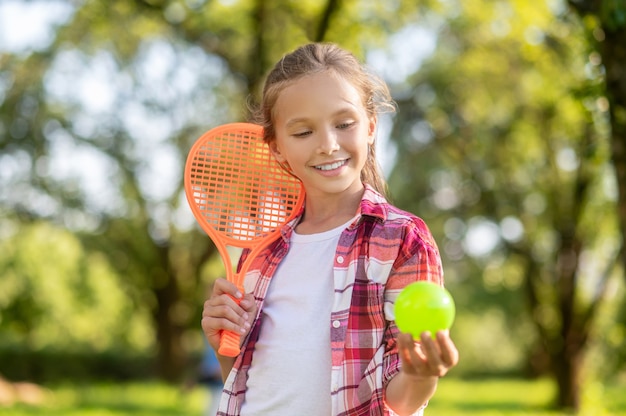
(508, 128)
(122, 91)
(605, 26)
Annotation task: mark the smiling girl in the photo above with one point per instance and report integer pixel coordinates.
(317, 322)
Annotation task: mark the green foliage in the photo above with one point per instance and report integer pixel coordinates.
(52, 365)
(613, 14)
(503, 129)
(477, 333)
(54, 294)
(98, 125)
(508, 132)
(455, 397)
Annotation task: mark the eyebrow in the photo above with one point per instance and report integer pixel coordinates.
(294, 121)
(342, 111)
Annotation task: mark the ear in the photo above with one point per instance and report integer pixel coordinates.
(371, 130)
(276, 152)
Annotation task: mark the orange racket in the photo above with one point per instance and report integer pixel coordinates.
(241, 197)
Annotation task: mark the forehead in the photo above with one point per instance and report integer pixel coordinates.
(319, 92)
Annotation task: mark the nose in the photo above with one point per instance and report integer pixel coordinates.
(328, 143)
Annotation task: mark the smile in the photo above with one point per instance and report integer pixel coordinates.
(331, 166)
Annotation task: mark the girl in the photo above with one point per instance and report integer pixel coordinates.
(317, 322)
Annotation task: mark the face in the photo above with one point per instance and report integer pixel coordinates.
(322, 133)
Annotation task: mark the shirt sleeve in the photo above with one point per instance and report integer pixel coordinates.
(418, 260)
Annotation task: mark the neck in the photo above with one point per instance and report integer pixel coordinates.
(325, 213)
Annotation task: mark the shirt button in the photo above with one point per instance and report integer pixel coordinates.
(340, 259)
(336, 324)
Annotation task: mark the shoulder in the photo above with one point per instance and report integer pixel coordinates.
(393, 223)
(399, 247)
(412, 226)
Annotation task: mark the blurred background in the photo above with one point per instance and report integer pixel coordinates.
(509, 141)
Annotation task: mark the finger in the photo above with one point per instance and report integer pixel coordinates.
(413, 348)
(429, 346)
(223, 286)
(433, 355)
(416, 355)
(223, 319)
(449, 352)
(221, 306)
(405, 344)
(223, 312)
(212, 325)
(229, 300)
(248, 303)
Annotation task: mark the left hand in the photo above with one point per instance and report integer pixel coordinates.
(427, 357)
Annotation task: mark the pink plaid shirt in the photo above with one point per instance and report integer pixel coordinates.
(382, 251)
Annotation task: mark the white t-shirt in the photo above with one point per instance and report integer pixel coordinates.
(291, 364)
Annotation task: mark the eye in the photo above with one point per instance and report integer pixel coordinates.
(345, 125)
(302, 133)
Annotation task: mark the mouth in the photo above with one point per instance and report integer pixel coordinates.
(331, 166)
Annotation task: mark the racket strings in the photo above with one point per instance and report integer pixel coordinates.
(238, 187)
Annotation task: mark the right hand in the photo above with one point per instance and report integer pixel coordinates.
(222, 313)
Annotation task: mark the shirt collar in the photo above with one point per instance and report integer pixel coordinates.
(373, 205)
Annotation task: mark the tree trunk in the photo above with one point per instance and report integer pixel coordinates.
(569, 349)
(613, 51)
(567, 374)
(171, 353)
(565, 347)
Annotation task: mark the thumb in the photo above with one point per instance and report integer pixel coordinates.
(248, 303)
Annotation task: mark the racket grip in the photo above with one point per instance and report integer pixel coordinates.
(229, 344)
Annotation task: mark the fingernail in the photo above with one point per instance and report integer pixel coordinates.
(238, 295)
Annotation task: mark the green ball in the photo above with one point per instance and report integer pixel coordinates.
(424, 306)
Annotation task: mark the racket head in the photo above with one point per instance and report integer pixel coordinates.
(238, 192)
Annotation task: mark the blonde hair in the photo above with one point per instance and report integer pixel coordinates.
(318, 57)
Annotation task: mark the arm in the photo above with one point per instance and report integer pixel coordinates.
(423, 363)
(226, 364)
(221, 312)
(406, 395)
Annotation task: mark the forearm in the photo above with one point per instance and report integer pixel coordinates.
(226, 364)
(406, 394)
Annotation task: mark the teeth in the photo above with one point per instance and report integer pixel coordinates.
(331, 166)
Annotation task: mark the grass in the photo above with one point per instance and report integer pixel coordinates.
(107, 399)
(491, 397)
(513, 397)
(454, 398)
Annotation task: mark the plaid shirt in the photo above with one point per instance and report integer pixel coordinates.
(382, 251)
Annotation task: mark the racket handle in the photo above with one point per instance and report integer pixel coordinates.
(229, 344)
